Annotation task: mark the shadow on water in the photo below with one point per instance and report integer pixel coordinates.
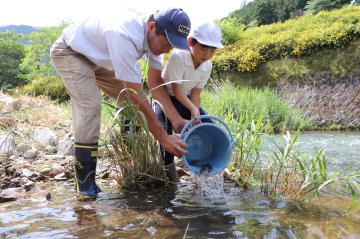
(160, 214)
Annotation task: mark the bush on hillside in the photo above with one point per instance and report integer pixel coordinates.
(297, 37)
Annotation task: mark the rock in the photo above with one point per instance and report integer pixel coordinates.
(22, 148)
(56, 169)
(44, 136)
(15, 183)
(10, 194)
(53, 157)
(50, 149)
(65, 147)
(69, 174)
(6, 144)
(60, 177)
(31, 153)
(27, 173)
(46, 172)
(48, 196)
(28, 185)
(5, 99)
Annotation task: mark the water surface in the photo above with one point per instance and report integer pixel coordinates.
(189, 209)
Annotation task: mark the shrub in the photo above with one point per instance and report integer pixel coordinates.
(297, 37)
(51, 86)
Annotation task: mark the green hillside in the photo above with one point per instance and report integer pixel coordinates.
(294, 38)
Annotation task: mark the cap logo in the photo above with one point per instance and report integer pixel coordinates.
(184, 29)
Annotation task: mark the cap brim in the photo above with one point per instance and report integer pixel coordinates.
(177, 41)
(212, 44)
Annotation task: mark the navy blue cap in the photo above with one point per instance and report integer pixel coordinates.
(176, 24)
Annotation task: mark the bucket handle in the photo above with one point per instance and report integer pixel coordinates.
(212, 117)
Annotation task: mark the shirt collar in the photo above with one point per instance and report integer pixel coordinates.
(189, 62)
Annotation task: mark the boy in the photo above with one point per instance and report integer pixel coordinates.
(188, 72)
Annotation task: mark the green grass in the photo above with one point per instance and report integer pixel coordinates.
(235, 105)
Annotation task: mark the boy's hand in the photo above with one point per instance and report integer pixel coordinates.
(195, 114)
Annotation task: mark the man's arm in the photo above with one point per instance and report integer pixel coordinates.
(170, 142)
(160, 94)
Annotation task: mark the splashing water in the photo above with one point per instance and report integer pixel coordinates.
(211, 188)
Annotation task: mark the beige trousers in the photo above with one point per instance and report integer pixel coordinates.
(83, 81)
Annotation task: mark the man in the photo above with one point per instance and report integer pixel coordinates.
(102, 53)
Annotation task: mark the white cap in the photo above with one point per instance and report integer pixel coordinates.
(208, 33)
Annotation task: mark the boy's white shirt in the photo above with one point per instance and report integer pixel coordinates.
(114, 42)
(180, 67)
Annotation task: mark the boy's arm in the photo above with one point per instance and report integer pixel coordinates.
(185, 101)
(195, 96)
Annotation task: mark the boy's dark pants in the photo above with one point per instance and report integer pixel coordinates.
(165, 122)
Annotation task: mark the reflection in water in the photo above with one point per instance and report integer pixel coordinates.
(210, 210)
(159, 214)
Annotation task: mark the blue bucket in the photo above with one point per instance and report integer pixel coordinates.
(209, 146)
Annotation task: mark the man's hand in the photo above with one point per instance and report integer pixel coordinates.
(174, 146)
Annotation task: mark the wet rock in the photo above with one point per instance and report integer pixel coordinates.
(10, 194)
(5, 182)
(60, 177)
(15, 183)
(28, 185)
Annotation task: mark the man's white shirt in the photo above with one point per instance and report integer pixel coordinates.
(114, 42)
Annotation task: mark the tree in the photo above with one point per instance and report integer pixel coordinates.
(11, 54)
(264, 12)
(37, 61)
(231, 30)
(315, 6)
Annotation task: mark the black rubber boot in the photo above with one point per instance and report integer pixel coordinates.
(85, 169)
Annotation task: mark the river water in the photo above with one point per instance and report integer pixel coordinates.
(184, 213)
